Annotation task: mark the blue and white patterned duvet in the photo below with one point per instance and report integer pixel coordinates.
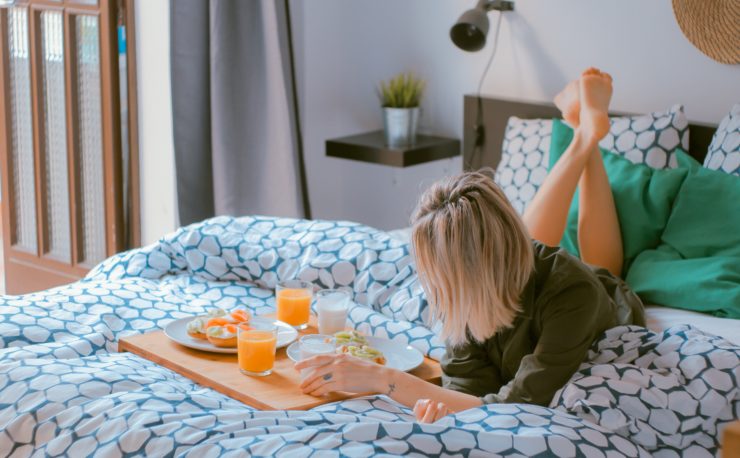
(64, 391)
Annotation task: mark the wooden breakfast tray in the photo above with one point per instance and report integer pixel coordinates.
(277, 391)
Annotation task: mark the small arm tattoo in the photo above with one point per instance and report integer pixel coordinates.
(391, 388)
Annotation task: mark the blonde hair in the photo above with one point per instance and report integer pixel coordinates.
(473, 255)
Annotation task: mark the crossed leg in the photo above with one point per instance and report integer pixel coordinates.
(584, 104)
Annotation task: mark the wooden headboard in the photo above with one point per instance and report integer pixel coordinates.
(495, 113)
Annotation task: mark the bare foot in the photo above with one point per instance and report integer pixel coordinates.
(569, 104)
(595, 94)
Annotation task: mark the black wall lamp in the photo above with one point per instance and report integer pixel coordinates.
(469, 34)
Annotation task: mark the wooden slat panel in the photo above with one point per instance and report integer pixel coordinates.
(22, 276)
(93, 4)
(53, 69)
(111, 112)
(20, 127)
(47, 263)
(58, 3)
(39, 131)
(91, 128)
(133, 130)
(6, 166)
(73, 161)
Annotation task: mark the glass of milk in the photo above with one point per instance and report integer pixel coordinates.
(316, 344)
(332, 306)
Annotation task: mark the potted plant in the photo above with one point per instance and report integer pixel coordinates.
(400, 97)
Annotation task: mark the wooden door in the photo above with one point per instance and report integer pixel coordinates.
(64, 204)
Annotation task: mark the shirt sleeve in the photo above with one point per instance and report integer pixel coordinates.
(468, 369)
(569, 326)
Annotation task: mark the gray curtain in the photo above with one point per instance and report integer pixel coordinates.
(237, 135)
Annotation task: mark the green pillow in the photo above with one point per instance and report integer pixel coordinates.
(643, 197)
(697, 265)
(705, 220)
(708, 284)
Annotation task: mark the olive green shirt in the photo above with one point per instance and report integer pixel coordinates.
(566, 305)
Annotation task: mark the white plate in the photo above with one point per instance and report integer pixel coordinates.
(403, 358)
(178, 331)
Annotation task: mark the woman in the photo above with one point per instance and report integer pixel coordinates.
(518, 316)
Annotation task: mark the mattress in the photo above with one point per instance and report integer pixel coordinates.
(660, 318)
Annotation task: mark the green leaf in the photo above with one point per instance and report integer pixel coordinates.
(404, 90)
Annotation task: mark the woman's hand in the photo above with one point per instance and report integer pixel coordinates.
(429, 411)
(341, 372)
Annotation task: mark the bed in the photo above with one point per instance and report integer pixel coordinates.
(65, 390)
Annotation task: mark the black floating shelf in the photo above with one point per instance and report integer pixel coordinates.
(371, 147)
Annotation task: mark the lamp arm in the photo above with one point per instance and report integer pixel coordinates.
(498, 5)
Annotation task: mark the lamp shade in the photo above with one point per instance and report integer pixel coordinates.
(469, 32)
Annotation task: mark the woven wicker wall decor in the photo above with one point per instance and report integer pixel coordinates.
(713, 26)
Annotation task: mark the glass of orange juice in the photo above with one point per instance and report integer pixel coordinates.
(293, 301)
(256, 347)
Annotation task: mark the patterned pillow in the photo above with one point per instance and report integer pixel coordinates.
(524, 159)
(724, 151)
(643, 139)
(650, 138)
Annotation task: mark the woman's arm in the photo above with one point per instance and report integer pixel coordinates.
(347, 373)
(407, 389)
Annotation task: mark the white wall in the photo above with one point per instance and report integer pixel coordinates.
(349, 45)
(156, 149)
(344, 47)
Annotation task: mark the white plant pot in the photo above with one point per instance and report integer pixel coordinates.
(400, 126)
